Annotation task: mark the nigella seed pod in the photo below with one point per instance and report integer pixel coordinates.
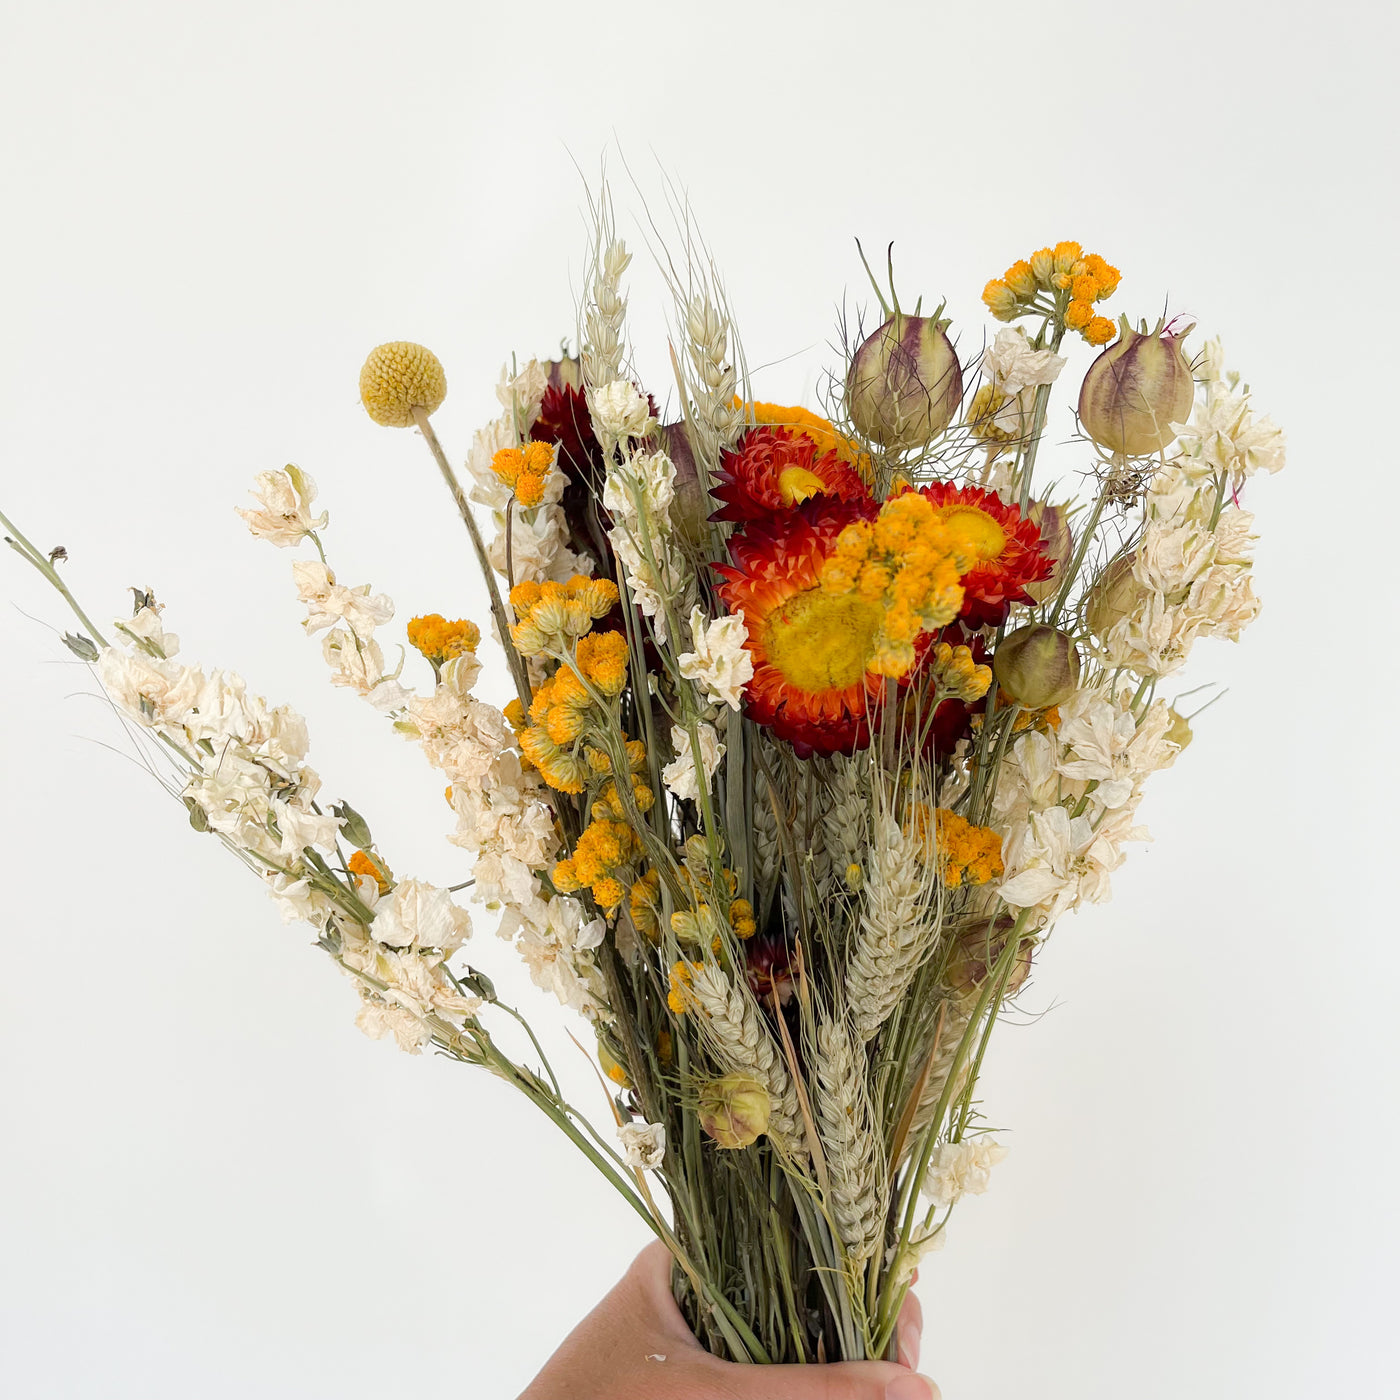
(975, 954)
(1037, 666)
(905, 382)
(1056, 544)
(1136, 390)
(1114, 595)
(734, 1110)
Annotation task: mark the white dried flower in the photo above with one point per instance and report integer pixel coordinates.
(284, 514)
(618, 410)
(644, 1145)
(720, 662)
(962, 1169)
(328, 602)
(680, 776)
(418, 915)
(1013, 365)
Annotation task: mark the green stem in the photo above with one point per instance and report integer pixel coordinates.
(25, 550)
(517, 666)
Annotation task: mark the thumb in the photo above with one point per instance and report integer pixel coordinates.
(845, 1380)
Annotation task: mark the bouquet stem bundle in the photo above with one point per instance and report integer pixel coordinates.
(820, 724)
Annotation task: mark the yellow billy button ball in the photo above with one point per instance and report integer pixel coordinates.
(399, 377)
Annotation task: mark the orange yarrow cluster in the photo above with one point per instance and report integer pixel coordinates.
(440, 640)
(1064, 269)
(967, 854)
(601, 862)
(907, 562)
(524, 470)
(549, 616)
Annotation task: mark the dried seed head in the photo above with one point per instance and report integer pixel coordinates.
(905, 382)
(1114, 595)
(1136, 390)
(1037, 666)
(399, 377)
(1057, 544)
(735, 1110)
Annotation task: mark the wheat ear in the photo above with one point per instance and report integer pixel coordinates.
(844, 1120)
(897, 923)
(736, 1030)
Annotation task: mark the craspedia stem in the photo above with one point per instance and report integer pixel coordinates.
(517, 668)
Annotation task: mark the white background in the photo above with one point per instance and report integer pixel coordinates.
(210, 1184)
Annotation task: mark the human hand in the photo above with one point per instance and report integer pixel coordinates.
(635, 1345)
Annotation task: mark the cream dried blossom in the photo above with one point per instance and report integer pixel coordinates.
(1104, 743)
(1012, 364)
(643, 1145)
(145, 628)
(680, 775)
(720, 662)
(328, 602)
(619, 411)
(418, 915)
(358, 665)
(962, 1169)
(283, 515)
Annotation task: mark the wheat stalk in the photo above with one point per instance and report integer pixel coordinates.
(740, 1038)
(896, 927)
(954, 1026)
(844, 1121)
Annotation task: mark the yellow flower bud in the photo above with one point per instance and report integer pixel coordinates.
(1135, 391)
(1037, 666)
(734, 1110)
(399, 377)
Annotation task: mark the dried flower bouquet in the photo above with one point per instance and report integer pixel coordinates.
(820, 725)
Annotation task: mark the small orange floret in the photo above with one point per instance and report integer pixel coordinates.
(440, 640)
(1099, 331)
(362, 863)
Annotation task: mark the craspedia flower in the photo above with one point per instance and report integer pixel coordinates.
(397, 378)
(776, 469)
(1006, 549)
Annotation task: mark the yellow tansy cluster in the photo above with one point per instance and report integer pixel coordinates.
(967, 854)
(524, 469)
(907, 563)
(600, 862)
(682, 976)
(956, 675)
(440, 640)
(1086, 278)
(559, 715)
(362, 863)
(550, 615)
(644, 904)
(608, 805)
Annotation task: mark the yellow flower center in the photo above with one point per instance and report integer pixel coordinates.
(974, 531)
(820, 642)
(797, 484)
